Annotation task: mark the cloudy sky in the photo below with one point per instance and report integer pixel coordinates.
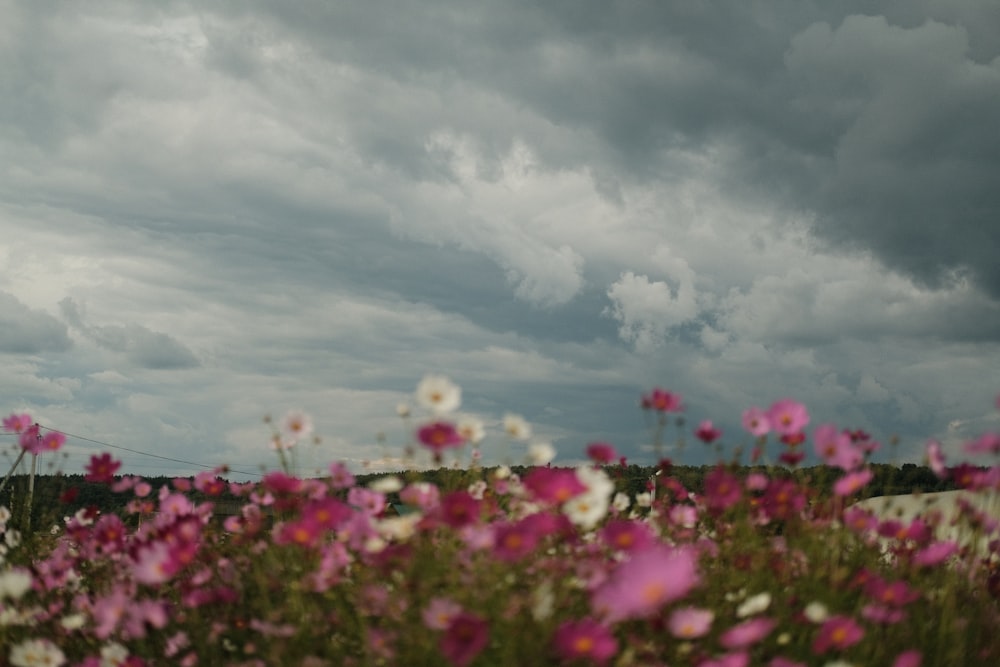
(211, 212)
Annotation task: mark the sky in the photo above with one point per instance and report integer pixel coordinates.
(211, 212)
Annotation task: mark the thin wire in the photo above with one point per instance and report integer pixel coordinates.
(136, 451)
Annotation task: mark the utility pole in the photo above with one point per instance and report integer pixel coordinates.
(31, 491)
(10, 472)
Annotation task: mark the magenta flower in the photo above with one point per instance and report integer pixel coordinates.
(911, 658)
(439, 436)
(722, 489)
(586, 639)
(783, 499)
(837, 632)
(102, 468)
(601, 452)
(747, 633)
(662, 401)
(459, 508)
(987, 443)
(640, 586)
(788, 417)
(465, 638)
(707, 433)
(690, 622)
(756, 422)
(852, 482)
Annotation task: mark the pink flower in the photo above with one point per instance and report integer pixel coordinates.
(585, 639)
(837, 632)
(707, 433)
(439, 612)
(601, 452)
(935, 459)
(935, 553)
(626, 535)
(788, 416)
(722, 489)
(852, 482)
(424, 495)
(640, 586)
(514, 541)
(662, 401)
(911, 658)
(756, 422)
(438, 436)
(784, 662)
(17, 423)
(304, 533)
(747, 633)
(756, 481)
(554, 485)
(51, 442)
(836, 448)
(737, 659)
(154, 563)
(340, 476)
(690, 622)
(987, 443)
(102, 469)
(464, 639)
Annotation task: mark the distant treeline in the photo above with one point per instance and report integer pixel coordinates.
(59, 496)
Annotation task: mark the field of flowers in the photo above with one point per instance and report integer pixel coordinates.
(554, 566)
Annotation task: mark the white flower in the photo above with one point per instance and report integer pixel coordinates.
(502, 472)
(4, 515)
(816, 612)
(471, 429)
(36, 653)
(399, 527)
(13, 537)
(113, 654)
(516, 427)
(620, 502)
(754, 605)
(439, 394)
(543, 602)
(403, 409)
(596, 481)
(586, 509)
(644, 499)
(477, 489)
(296, 425)
(387, 484)
(540, 453)
(14, 583)
(73, 621)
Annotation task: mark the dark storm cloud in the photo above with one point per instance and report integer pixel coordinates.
(882, 126)
(27, 331)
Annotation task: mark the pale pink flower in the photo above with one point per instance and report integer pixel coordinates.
(756, 422)
(438, 613)
(690, 622)
(788, 417)
(747, 633)
(852, 482)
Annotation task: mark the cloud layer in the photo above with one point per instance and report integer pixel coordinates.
(211, 215)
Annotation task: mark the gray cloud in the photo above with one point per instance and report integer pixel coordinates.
(141, 346)
(24, 330)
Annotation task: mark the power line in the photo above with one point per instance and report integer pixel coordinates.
(136, 451)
